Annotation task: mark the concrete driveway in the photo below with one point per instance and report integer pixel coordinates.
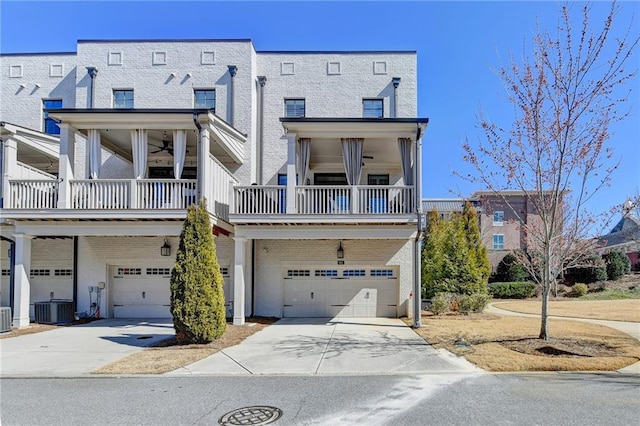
(321, 346)
(78, 350)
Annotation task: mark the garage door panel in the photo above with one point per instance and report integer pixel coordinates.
(138, 292)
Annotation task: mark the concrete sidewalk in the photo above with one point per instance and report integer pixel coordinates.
(78, 350)
(631, 328)
(322, 346)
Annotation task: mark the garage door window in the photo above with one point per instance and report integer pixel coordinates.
(39, 273)
(298, 273)
(354, 273)
(159, 271)
(382, 272)
(129, 271)
(62, 272)
(326, 272)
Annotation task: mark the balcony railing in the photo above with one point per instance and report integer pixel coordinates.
(324, 200)
(32, 194)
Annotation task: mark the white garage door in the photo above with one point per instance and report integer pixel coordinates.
(340, 292)
(4, 287)
(138, 292)
(228, 290)
(49, 283)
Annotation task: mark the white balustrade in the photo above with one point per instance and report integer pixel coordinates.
(377, 199)
(324, 199)
(103, 194)
(165, 193)
(219, 188)
(32, 194)
(26, 172)
(260, 199)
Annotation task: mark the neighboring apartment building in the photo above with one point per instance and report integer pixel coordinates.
(500, 221)
(305, 158)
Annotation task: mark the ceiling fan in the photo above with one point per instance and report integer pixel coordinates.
(165, 146)
(366, 157)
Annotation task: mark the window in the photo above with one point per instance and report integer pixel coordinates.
(330, 179)
(372, 108)
(205, 98)
(123, 98)
(498, 218)
(378, 180)
(49, 124)
(498, 242)
(294, 108)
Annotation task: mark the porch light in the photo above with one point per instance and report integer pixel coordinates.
(165, 250)
(340, 251)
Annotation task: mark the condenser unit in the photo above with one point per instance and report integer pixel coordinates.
(54, 311)
(5, 319)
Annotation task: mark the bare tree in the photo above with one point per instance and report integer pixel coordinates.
(565, 95)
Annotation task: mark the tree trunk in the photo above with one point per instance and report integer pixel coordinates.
(546, 289)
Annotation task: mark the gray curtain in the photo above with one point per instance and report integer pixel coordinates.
(405, 159)
(94, 153)
(139, 148)
(352, 149)
(302, 166)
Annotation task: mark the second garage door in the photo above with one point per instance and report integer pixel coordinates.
(340, 292)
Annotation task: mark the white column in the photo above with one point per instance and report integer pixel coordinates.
(238, 281)
(291, 173)
(22, 287)
(204, 183)
(67, 164)
(10, 163)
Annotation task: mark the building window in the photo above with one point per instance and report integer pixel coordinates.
(498, 218)
(372, 108)
(378, 180)
(49, 124)
(123, 99)
(205, 98)
(498, 242)
(294, 108)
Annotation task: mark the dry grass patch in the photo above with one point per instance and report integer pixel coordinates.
(30, 329)
(167, 355)
(497, 343)
(615, 310)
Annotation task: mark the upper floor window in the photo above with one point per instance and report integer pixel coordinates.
(123, 98)
(205, 98)
(498, 218)
(294, 108)
(49, 125)
(372, 108)
(498, 241)
(378, 180)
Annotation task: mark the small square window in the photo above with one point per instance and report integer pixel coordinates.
(159, 58)
(204, 98)
(294, 108)
(49, 125)
(56, 70)
(372, 108)
(208, 58)
(115, 58)
(15, 71)
(123, 99)
(498, 218)
(498, 241)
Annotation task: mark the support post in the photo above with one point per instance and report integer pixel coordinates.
(203, 169)
(22, 286)
(291, 173)
(66, 165)
(238, 281)
(9, 165)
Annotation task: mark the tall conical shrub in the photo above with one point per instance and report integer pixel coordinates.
(197, 296)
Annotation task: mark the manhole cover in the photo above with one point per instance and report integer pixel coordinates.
(257, 415)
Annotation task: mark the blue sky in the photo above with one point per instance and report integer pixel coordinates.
(458, 45)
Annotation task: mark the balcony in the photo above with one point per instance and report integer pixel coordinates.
(253, 204)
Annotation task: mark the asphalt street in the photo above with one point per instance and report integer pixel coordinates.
(443, 399)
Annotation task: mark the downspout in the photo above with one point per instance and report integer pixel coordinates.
(261, 81)
(396, 83)
(1, 169)
(199, 171)
(232, 72)
(93, 72)
(75, 274)
(417, 277)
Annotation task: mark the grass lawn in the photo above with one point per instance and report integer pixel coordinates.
(615, 310)
(507, 343)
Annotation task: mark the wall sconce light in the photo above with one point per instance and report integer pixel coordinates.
(340, 251)
(165, 250)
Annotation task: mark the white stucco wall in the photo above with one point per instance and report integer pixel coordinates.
(269, 264)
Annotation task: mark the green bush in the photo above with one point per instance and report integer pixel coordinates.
(588, 274)
(617, 264)
(510, 269)
(512, 290)
(441, 303)
(197, 297)
(476, 302)
(579, 289)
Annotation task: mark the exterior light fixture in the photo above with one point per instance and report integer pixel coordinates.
(165, 250)
(340, 251)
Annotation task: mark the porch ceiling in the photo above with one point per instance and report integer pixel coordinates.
(36, 149)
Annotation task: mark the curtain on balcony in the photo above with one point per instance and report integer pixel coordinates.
(352, 149)
(179, 152)
(304, 153)
(405, 159)
(94, 153)
(139, 149)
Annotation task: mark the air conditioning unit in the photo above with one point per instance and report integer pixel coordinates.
(5, 319)
(54, 312)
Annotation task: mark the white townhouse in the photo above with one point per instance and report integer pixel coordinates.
(309, 162)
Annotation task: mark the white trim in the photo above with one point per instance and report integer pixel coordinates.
(287, 68)
(310, 232)
(379, 67)
(159, 58)
(15, 71)
(114, 58)
(208, 58)
(56, 70)
(334, 68)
